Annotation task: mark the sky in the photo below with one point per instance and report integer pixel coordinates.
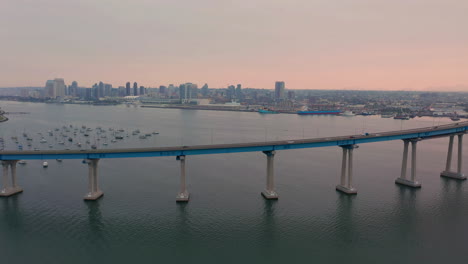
(309, 44)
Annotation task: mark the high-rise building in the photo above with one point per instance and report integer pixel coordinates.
(55, 88)
(122, 91)
(95, 91)
(73, 89)
(231, 92)
(162, 89)
(49, 89)
(204, 90)
(142, 90)
(279, 91)
(239, 94)
(135, 88)
(100, 90)
(185, 92)
(107, 89)
(127, 89)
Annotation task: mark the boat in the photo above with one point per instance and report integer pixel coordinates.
(155, 133)
(113, 140)
(347, 113)
(142, 136)
(78, 144)
(148, 134)
(401, 117)
(59, 160)
(70, 139)
(105, 143)
(266, 111)
(118, 137)
(387, 115)
(22, 162)
(61, 142)
(319, 112)
(50, 146)
(455, 117)
(43, 140)
(93, 146)
(45, 164)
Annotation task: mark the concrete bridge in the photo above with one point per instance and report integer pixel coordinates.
(348, 144)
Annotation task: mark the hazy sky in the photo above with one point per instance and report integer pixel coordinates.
(309, 44)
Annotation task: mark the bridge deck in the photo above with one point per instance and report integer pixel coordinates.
(423, 133)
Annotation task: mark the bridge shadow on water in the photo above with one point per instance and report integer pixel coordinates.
(11, 211)
(96, 227)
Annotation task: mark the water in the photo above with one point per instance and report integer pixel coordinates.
(227, 220)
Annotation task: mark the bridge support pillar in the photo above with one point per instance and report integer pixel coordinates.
(412, 182)
(270, 192)
(183, 195)
(94, 192)
(7, 188)
(346, 180)
(448, 171)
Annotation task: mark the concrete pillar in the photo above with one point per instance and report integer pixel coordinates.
(413, 159)
(13, 173)
(404, 164)
(350, 168)
(183, 195)
(460, 153)
(270, 192)
(458, 175)
(94, 192)
(402, 179)
(343, 167)
(346, 182)
(7, 189)
(448, 165)
(5, 185)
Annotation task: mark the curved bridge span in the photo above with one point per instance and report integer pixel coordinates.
(347, 143)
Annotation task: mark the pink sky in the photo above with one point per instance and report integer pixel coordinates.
(309, 44)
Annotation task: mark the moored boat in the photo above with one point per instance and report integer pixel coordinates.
(319, 112)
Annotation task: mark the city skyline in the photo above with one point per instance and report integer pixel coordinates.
(360, 44)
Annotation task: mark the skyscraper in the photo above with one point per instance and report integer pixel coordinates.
(142, 90)
(101, 90)
(135, 88)
(49, 89)
(279, 90)
(185, 92)
(239, 94)
(55, 88)
(127, 89)
(73, 89)
(204, 90)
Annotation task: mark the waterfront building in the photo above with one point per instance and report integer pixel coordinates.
(107, 90)
(239, 94)
(55, 88)
(135, 88)
(162, 90)
(73, 89)
(204, 90)
(100, 90)
(185, 92)
(279, 90)
(127, 89)
(142, 90)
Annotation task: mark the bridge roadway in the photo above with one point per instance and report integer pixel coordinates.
(348, 143)
(422, 133)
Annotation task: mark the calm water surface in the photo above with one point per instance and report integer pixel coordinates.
(227, 220)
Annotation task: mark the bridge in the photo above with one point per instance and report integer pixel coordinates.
(348, 144)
